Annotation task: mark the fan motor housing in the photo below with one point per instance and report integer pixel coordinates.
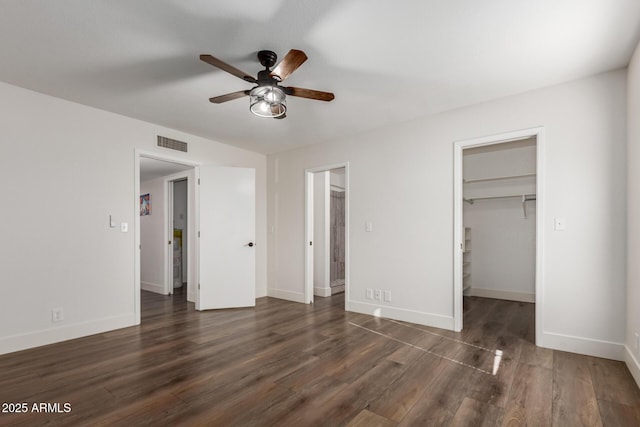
(267, 58)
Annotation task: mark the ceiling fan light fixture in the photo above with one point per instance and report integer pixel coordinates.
(268, 101)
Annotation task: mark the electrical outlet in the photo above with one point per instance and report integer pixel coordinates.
(378, 294)
(387, 296)
(57, 315)
(369, 293)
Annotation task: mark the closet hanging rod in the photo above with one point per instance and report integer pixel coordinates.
(524, 197)
(498, 178)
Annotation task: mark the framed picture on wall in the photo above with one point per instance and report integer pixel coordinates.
(145, 204)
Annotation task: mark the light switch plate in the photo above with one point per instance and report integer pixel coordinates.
(559, 224)
(57, 315)
(124, 227)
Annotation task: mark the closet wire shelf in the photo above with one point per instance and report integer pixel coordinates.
(524, 197)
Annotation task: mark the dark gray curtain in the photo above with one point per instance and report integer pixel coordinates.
(337, 237)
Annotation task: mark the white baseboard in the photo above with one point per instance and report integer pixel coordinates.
(64, 333)
(152, 287)
(499, 294)
(286, 295)
(581, 345)
(632, 364)
(418, 317)
(322, 292)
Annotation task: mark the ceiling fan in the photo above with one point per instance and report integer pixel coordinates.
(268, 98)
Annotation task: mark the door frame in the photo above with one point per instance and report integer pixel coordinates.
(458, 147)
(308, 234)
(138, 153)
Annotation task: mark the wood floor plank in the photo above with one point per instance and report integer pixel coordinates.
(399, 397)
(475, 413)
(536, 356)
(289, 364)
(574, 399)
(309, 399)
(494, 388)
(618, 415)
(369, 419)
(153, 409)
(373, 383)
(488, 324)
(440, 401)
(521, 321)
(613, 382)
(247, 406)
(529, 400)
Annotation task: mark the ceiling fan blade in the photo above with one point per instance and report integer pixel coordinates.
(229, 97)
(289, 64)
(212, 60)
(309, 93)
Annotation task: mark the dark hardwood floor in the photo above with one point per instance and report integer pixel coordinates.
(289, 364)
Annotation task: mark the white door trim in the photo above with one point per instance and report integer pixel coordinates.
(458, 146)
(136, 208)
(308, 233)
(168, 237)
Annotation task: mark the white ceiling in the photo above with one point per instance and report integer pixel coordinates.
(387, 62)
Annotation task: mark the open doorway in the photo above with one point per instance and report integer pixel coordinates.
(327, 233)
(166, 228)
(178, 228)
(498, 213)
(499, 220)
(220, 229)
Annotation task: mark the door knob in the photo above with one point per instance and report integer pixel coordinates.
(250, 244)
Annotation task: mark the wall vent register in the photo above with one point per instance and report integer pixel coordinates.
(172, 144)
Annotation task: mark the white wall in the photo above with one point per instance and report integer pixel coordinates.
(71, 167)
(321, 218)
(401, 179)
(503, 241)
(632, 353)
(152, 233)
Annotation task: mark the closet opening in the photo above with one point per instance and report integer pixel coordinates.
(499, 219)
(497, 235)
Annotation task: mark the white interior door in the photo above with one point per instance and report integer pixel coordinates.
(227, 233)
